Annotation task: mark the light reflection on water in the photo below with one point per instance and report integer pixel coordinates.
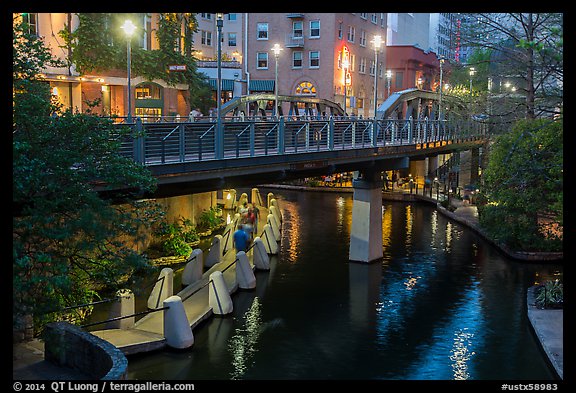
(442, 305)
(242, 344)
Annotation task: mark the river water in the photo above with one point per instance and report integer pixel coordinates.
(443, 304)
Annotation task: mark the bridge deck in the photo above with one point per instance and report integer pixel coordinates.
(148, 333)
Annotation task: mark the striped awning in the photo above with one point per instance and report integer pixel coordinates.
(227, 84)
(261, 85)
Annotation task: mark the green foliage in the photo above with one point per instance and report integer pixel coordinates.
(550, 294)
(99, 44)
(68, 242)
(91, 43)
(523, 183)
(176, 236)
(210, 219)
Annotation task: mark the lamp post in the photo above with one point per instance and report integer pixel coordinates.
(276, 49)
(377, 43)
(441, 88)
(472, 72)
(129, 29)
(388, 79)
(219, 139)
(345, 64)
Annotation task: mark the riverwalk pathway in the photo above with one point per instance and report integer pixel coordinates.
(148, 333)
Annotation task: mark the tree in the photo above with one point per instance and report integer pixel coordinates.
(527, 47)
(68, 242)
(98, 44)
(523, 185)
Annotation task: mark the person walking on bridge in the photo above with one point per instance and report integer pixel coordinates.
(240, 239)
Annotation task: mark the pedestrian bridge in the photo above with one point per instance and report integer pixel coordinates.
(191, 157)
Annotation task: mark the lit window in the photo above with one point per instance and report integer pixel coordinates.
(314, 59)
(305, 89)
(262, 31)
(262, 60)
(314, 29)
(297, 60)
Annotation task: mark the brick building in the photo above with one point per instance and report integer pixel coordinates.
(314, 46)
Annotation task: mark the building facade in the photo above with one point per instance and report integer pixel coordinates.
(151, 100)
(317, 49)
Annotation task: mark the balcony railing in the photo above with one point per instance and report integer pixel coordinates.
(294, 40)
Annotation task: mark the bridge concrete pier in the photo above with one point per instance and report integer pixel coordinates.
(176, 327)
(366, 232)
(163, 288)
(121, 308)
(244, 273)
(259, 255)
(215, 251)
(194, 267)
(432, 163)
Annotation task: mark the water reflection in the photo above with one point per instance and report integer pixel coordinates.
(442, 305)
(461, 353)
(243, 343)
(409, 218)
(291, 231)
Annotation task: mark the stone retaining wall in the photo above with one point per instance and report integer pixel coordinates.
(69, 346)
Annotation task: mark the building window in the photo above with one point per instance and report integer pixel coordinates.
(305, 89)
(363, 38)
(31, 20)
(262, 31)
(206, 38)
(374, 18)
(314, 29)
(297, 59)
(314, 59)
(204, 15)
(364, 15)
(262, 60)
(147, 92)
(399, 80)
(231, 17)
(351, 33)
(362, 67)
(372, 68)
(297, 29)
(231, 39)
(340, 32)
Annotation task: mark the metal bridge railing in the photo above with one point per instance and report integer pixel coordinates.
(164, 142)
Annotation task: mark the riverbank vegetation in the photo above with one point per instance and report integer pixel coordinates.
(68, 241)
(521, 202)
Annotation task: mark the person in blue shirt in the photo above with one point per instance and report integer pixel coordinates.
(240, 238)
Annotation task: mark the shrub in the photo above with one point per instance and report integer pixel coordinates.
(209, 219)
(176, 236)
(550, 294)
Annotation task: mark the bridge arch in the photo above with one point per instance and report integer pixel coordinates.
(417, 104)
(255, 104)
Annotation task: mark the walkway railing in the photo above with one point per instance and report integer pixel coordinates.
(172, 142)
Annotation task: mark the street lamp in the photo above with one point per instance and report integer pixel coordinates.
(219, 148)
(345, 64)
(441, 87)
(129, 29)
(276, 49)
(472, 72)
(377, 43)
(388, 79)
